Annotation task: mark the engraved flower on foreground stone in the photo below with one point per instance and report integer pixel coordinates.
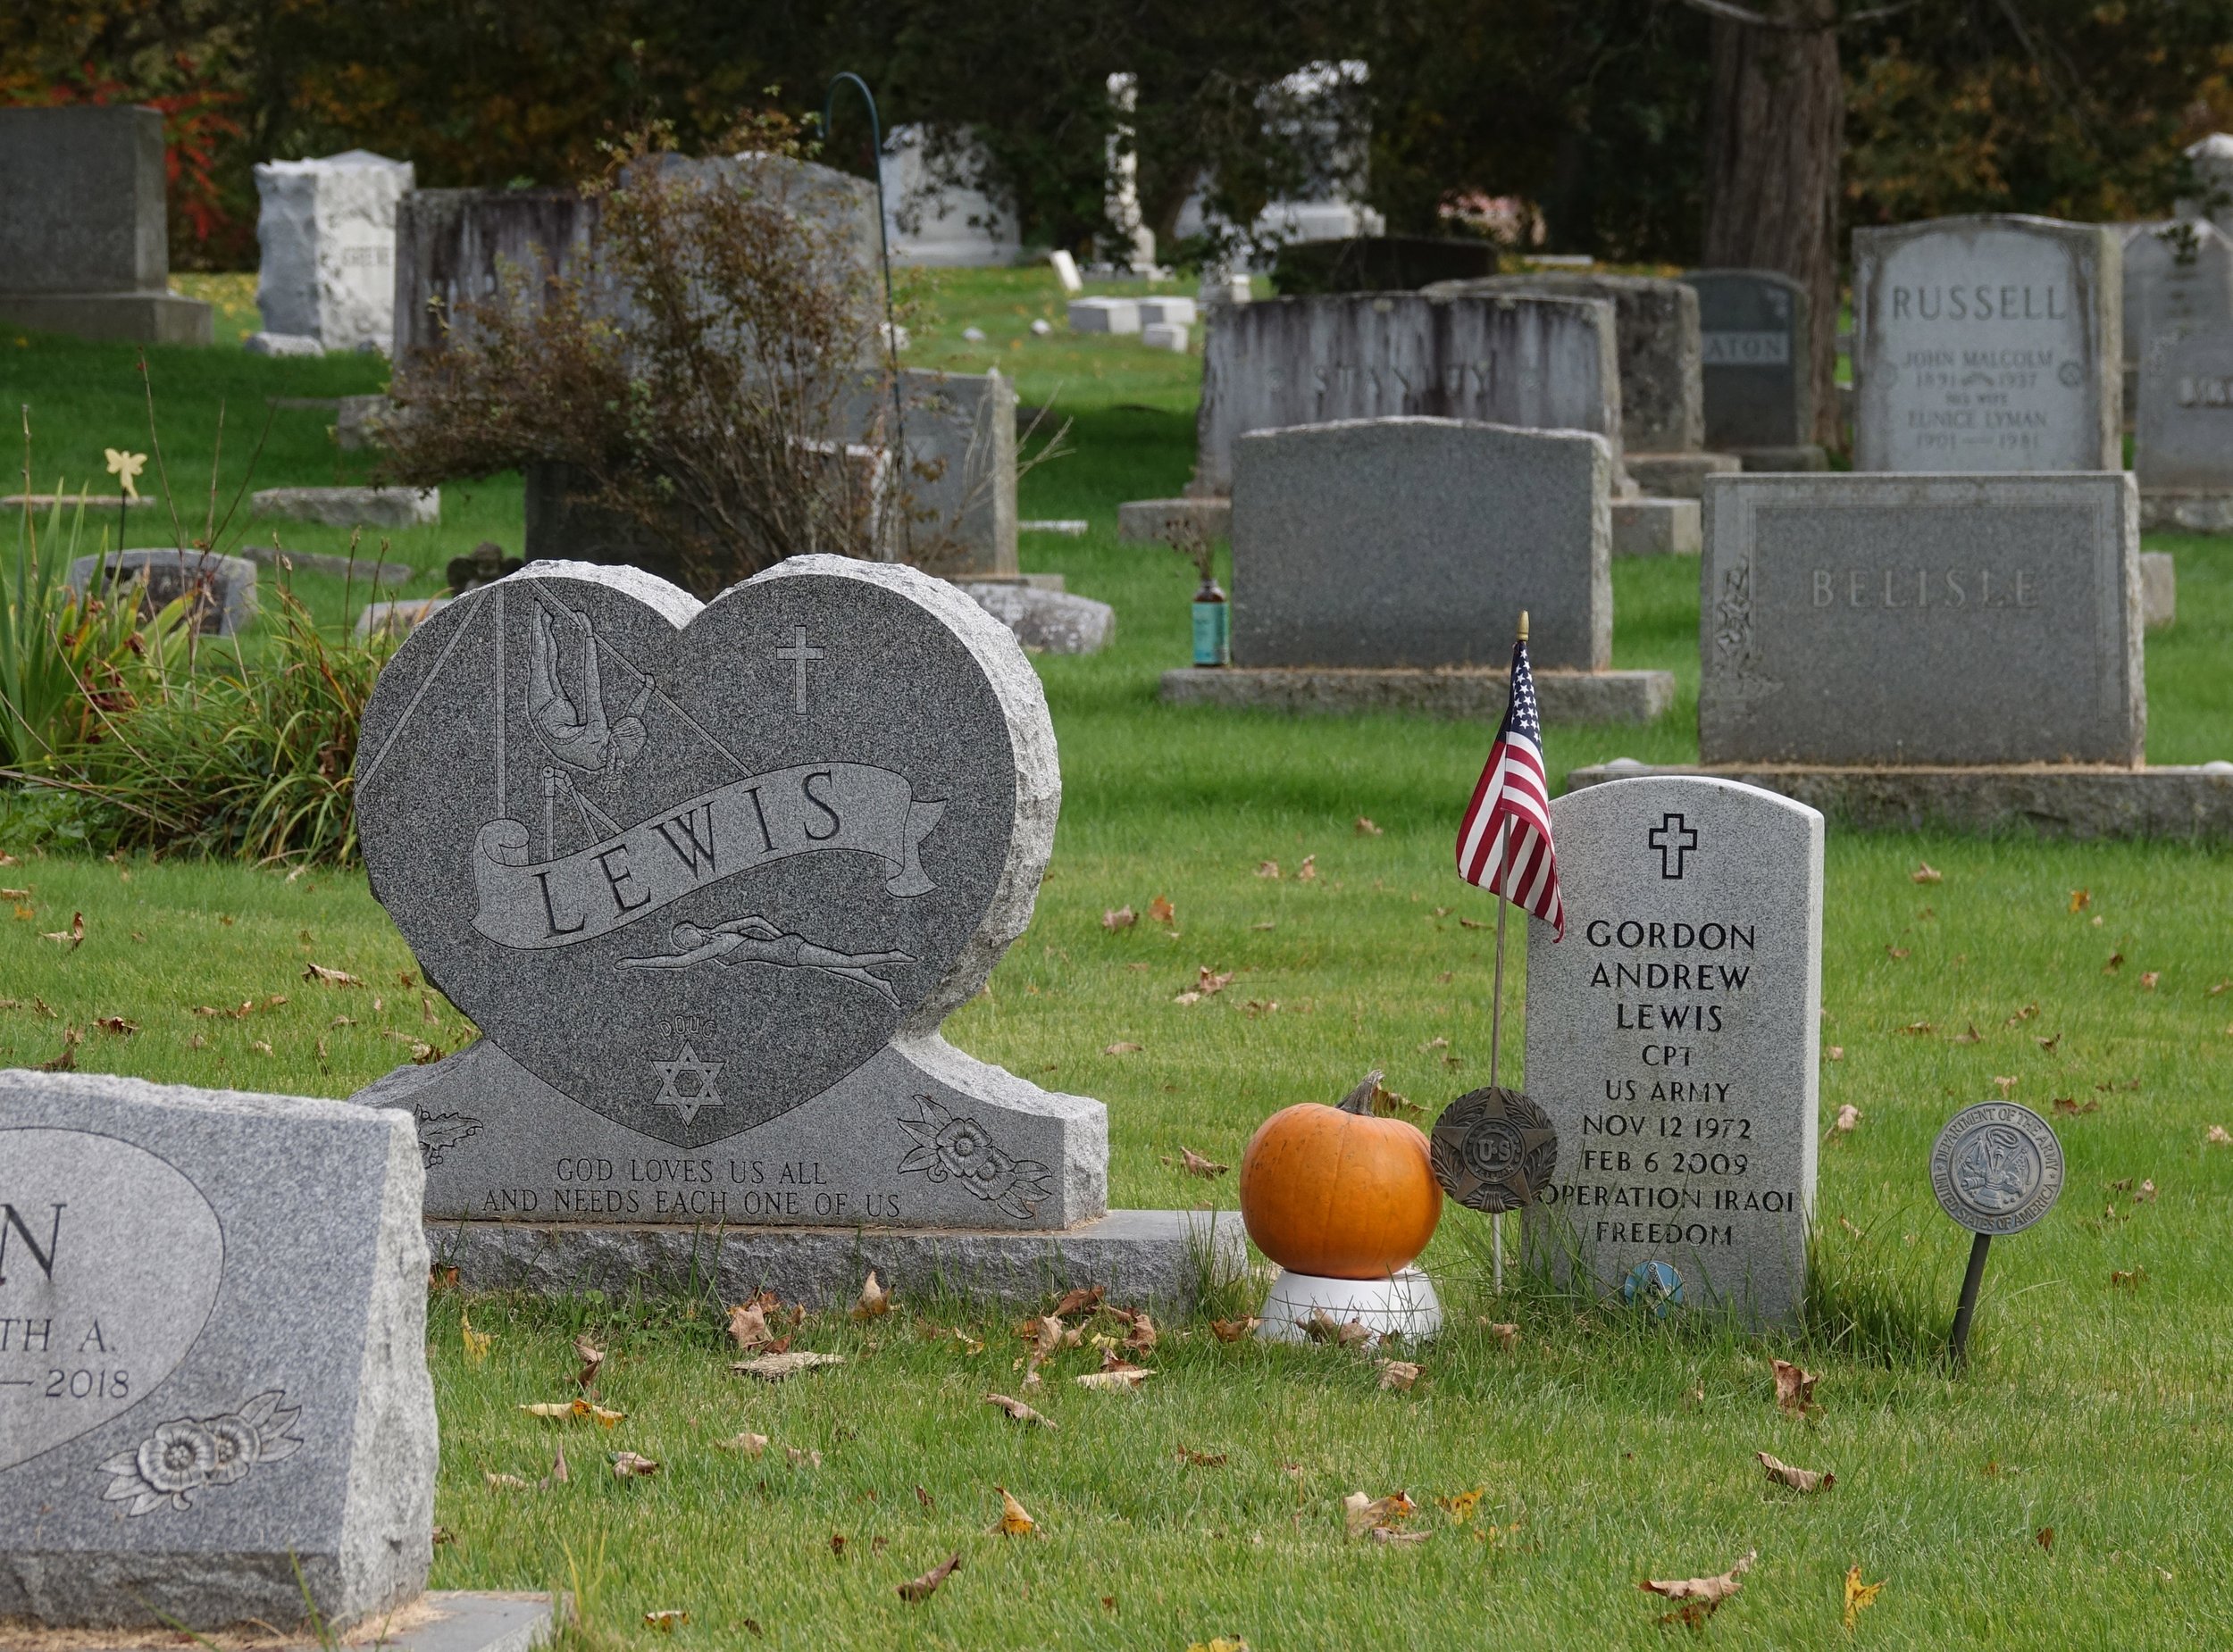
(178, 1456)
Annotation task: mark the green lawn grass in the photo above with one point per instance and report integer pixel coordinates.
(1608, 1448)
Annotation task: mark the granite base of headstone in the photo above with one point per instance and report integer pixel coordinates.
(84, 240)
(219, 591)
(214, 1405)
(1655, 526)
(1046, 621)
(1468, 693)
(1673, 1043)
(709, 885)
(1679, 475)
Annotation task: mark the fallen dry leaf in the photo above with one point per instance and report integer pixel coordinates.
(477, 1342)
(1362, 1514)
(1268, 869)
(2071, 1105)
(67, 1061)
(1388, 1104)
(1014, 1520)
(1794, 1387)
(2080, 899)
(505, 1482)
(1971, 1037)
(1124, 1047)
(2217, 1136)
(331, 978)
(1836, 1052)
(1925, 873)
(1234, 1329)
(1187, 997)
(1017, 1409)
(261, 1046)
(2148, 978)
(1195, 1165)
(633, 1466)
(1308, 873)
(1919, 1028)
(1460, 1507)
(1139, 1332)
(1797, 1478)
(1322, 1327)
(2128, 1279)
(2045, 1538)
(745, 1444)
(73, 936)
(1701, 1595)
(551, 1409)
(1858, 1594)
(2116, 963)
(1848, 1120)
(923, 1588)
(1119, 918)
(1200, 1459)
(1122, 1375)
(747, 1326)
(560, 1475)
(665, 1620)
(2146, 1194)
(1366, 829)
(1895, 952)
(1398, 1373)
(1161, 910)
(802, 1457)
(2217, 987)
(1083, 1300)
(117, 1025)
(2006, 1081)
(592, 1358)
(875, 1300)
(1210, 982)
(1507, 1336)
(2049, 1044)
(775, 1367)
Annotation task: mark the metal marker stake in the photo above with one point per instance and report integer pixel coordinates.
(1958, 1342)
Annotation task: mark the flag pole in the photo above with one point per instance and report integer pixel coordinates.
(1496, 1002)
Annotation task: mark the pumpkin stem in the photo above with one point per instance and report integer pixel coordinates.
(1359, 1100)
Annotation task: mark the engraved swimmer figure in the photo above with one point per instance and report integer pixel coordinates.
(755, 940)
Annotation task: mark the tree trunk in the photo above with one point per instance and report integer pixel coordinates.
(1774, 140)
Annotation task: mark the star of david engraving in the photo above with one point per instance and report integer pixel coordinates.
(686, 1084)
(1673, 839)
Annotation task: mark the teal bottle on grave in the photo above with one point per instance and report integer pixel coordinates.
(1213, 625)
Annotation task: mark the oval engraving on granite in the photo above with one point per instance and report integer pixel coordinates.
(110, 1262)
(692, 865)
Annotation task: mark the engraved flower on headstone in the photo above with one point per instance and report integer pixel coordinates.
(185, 1454)
(947, 1147)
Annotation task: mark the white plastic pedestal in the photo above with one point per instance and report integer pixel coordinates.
(1401, 1304)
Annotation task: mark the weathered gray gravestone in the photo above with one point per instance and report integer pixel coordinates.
(1673, 1036)
(1756, 355)
(327, 233)
(1921, 620)
(1990, 342)
(957, 477)
(1546, 363)
(708, 878)
(84, 243)
(1417, 542)
(212, 1369)
(2177, 275)
(1661, 409)
(2185, 441)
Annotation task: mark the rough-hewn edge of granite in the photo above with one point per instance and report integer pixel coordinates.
(388, 1530)
(2082, 804)
(1038, 771)
(1562, 696)
(461, 1621)
(1138, 1256)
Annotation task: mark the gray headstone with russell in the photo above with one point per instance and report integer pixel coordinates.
(708, 878)
(1673, 1039)
(1991, 343)
(84, 240)
(1756, 356)
(1544, 364)
(1417, 542)
(213, 1366)
(2185, 442)
(1921, 620)
(1662, 404)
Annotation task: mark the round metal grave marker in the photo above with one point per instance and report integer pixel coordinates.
(1996, 1168)
(1495, 1150)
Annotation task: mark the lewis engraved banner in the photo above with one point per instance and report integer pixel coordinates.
(530, 904)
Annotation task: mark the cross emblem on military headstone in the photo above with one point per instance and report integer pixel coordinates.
(1673, 839)
(799, 653)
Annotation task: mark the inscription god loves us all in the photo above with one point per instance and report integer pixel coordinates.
(689, 865)
(93, 1315)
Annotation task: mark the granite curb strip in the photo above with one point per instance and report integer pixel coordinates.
(1563, 696)
(1163, 1256)
(2083, 804)
(442, 1620)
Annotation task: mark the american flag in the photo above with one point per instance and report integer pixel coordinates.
(1504, 841)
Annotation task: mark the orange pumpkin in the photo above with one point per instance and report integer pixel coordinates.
(1336, 1192)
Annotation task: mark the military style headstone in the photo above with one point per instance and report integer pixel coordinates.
(1756, 359)
(708, 878)
(2185, 442)
(1673, 1036)
(212, 1369)
(1661, 409)
(221, 591)
(1989, 343)
(1417, 542)
(1544, 364)
(1842, 616)
(327, 231)
(84, 239)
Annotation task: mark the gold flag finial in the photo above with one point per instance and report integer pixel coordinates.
(1523, 625)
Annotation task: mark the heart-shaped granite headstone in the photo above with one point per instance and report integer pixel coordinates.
(691, 866)
(110, 1261)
